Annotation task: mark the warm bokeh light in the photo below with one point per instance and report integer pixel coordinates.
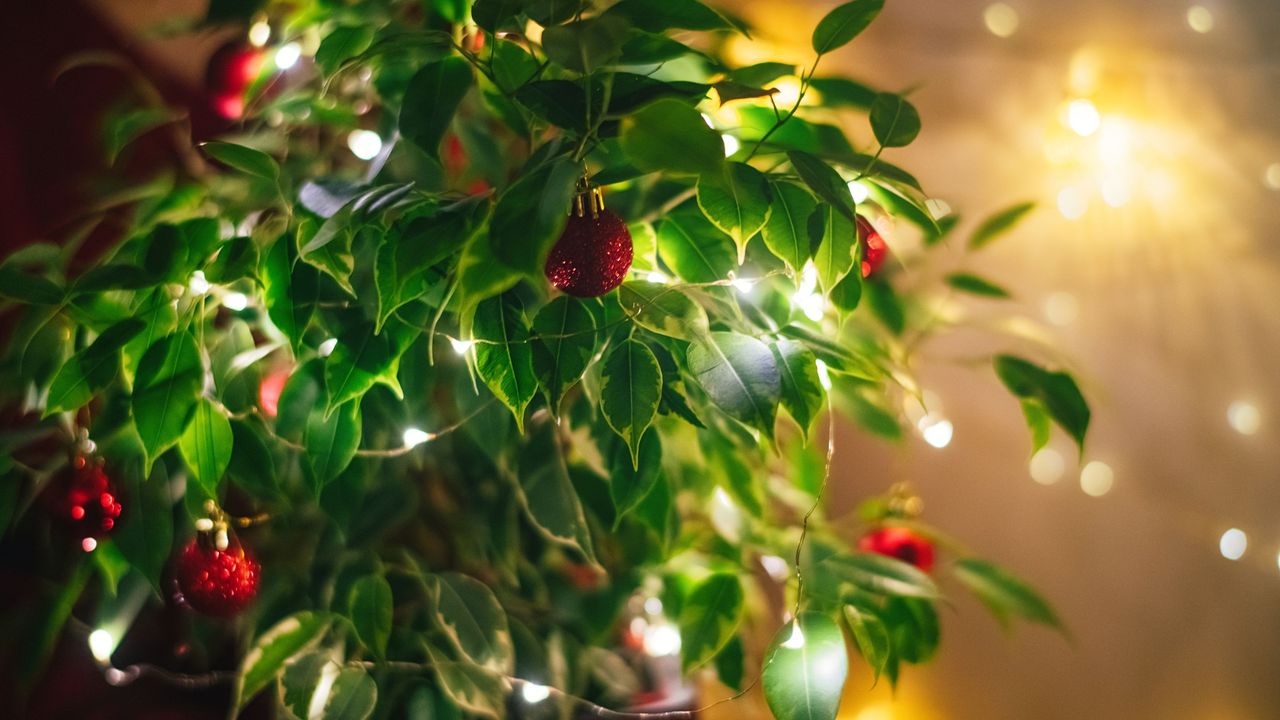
(259, 33)
(1073, 203)
(1096, 479)
(414, 437)
(364, 144)
(1061, 308)
(1244, 417)
(101, 645)
(1082, 117)
(1272, 176)
(1047, 466)
(731, 145)
(235, 301)
(936, 431)
(1233, 544)
(1000, 19)
(534, 693)
(1200, 18)
(288, 55)
(859, 191)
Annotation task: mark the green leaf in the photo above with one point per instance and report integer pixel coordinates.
(331, 440)
(885, 304)
(802, 393)
(15, 284)
(342, 44)
(741, 377)
(828, 574)
(166, 392)
(513, 66)
(660, 15)
(251, 466)
(694, 248)
(672, 136)
(731, 664)
(646, 48)
(1003, 594)
(430, 101)
(824, 181)
(839, 92)
(998, 224)
(353, 695)
(664, 310)
(630, 484)
(121, 129)
(1056, 391)
(564, 342)
(245, 159)
(786, 233)
(495, 14)
(265, 660)
(291, 289)
(805, 669)
(531, 214)
(974, 285)
(871, 637)
(329, 249)
(843, 24)
(905, 202)
(836, 240)
(236, 259)
(895, 122)
(1038, 422)
(913, 629)
(547, 495)
(369, 607)
(145, 532)
(87, 372)
(206, 447)
(709, 617)
(504, 358)
(736, 200)
(630, 393)
(585, 45)
(360, 360)
(551, 12)
(469, 614)
(474, 689)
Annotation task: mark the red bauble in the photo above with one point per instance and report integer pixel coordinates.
(232, 69)
(269, 390)
(88, 501)
(901, 543)
(592, 257)
(874, 248)
(217, 582)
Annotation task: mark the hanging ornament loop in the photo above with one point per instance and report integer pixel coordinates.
(587, 198)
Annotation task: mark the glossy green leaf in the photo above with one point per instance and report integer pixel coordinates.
(870, 636)
(630, 393)
(844, 23)
(370, 607)
(974, 285)
(341, 44)
(836, 243)
(1056, 391)
(353, 695)
(1038, 422)
(736, 200)
(585, 45)
(504, 358)
(290, 289)
(786, 233)
(495, 14)
(469, 615)
(206, 447)
(547, 494)
(664, 310)
(121, 129)
(329, 248)
(740, 375)
(236, 259)
(885, 304)
(731, 664)
(661, 15)
(1003, 594)
(802, 393)
(265, 660)
(895, 122)
(672, 136)
(245, 159)
(994, 227)
(805, 669)
(474, 689)
(251, 466)
(87, 372)
(824, 181)
(17, 284)
(513, 66)
(694, 248)
(629, 484)
(431, 100)
(145, 532)
(331, 440)
(166, 391)
(360, 360)
(564, 343)
(709, 617)
(531, 214)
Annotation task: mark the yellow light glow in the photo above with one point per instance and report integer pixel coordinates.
(662, 639)
(936, 430)
(1272, 176)
(364, 144)
(259, 33)
(534, 693)
(881, 711)
(288, 55)
(1244, 417)
(1085, 71)
(461, 346)
(1096, 479)
(1047, 466)
(101, 645)
(859, 191)
(788, 91)
(1082, 117)
(414, 437)
(1116, 191)
(1233, 544)
(1200, 18)
(1072, 203)
(1115, 141)
(1000, 19)
(235, 301)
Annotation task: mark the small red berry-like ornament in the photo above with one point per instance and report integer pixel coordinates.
(593, 254)
(218, 582)
(88, 501)
(874, 248)
(901, 543)
(232, 69)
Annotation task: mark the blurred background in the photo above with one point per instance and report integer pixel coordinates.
(1149, 133)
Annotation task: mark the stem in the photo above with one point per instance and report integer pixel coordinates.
(804, 88)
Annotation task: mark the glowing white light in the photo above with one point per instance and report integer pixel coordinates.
(364, 144)
(731, 145)
(1233, 544)
(661, 640)
(1072, 203)
(1000, 19)
(326, 347)
(288, 54)
(796, 641)
(1096, 479)
(743, 285)
(235, 301)
(204, 525)
(413, 437)
(707, 119)
(657, 277)
(1116, 192)
(1272, 176)
(653, 606)
(1047, 466)
(1200, 18)
(1244, 417)
(824, 375)
(726, 518)
(462, 347)
(938, 208)
(88, 544)
(101, 645)
(198, 285)
(259, 33)
(777, 568)
(1083, 117)
(859, 191)
(814, 307)
(788, 92)
(1061, 308)
(534, 693)
(806, 298)
(936, 432)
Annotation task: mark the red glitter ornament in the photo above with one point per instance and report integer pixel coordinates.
(88, 501)
(232, 69)
(593, 254)
(901, 543)
(874, 248)
(217, 582)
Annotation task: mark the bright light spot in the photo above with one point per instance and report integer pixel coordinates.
(1116, 192)
(462, 347)
(796, 641)
(235, 301)
(1072, 203)
(814, 307)
(938, 208)
(1244, 417)
(198, 284)
(364, 144)
(661, 639)
(1047, 466)
(1200, 19)
(1085, 72)
(326, 347)
(936, 432)
(707, 119)
(259, 33)
(1272, 176)
(788, 92)
(1115, 141)
(777, 568)
(288, 54)
(324, 687)
(413, 437)
(1083, 117)
(653, 606)
(657, 277)
(88, 544)
(534, 693)
(726, 518)
(824, 375)
(731, 145)
(1061, 308)
(101, 644)
(859, 191)
(806, 298)
(1096, 479)
(1233, 544)
(1001, 19)
(204, 525)
(876, 712)
(743, 285)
